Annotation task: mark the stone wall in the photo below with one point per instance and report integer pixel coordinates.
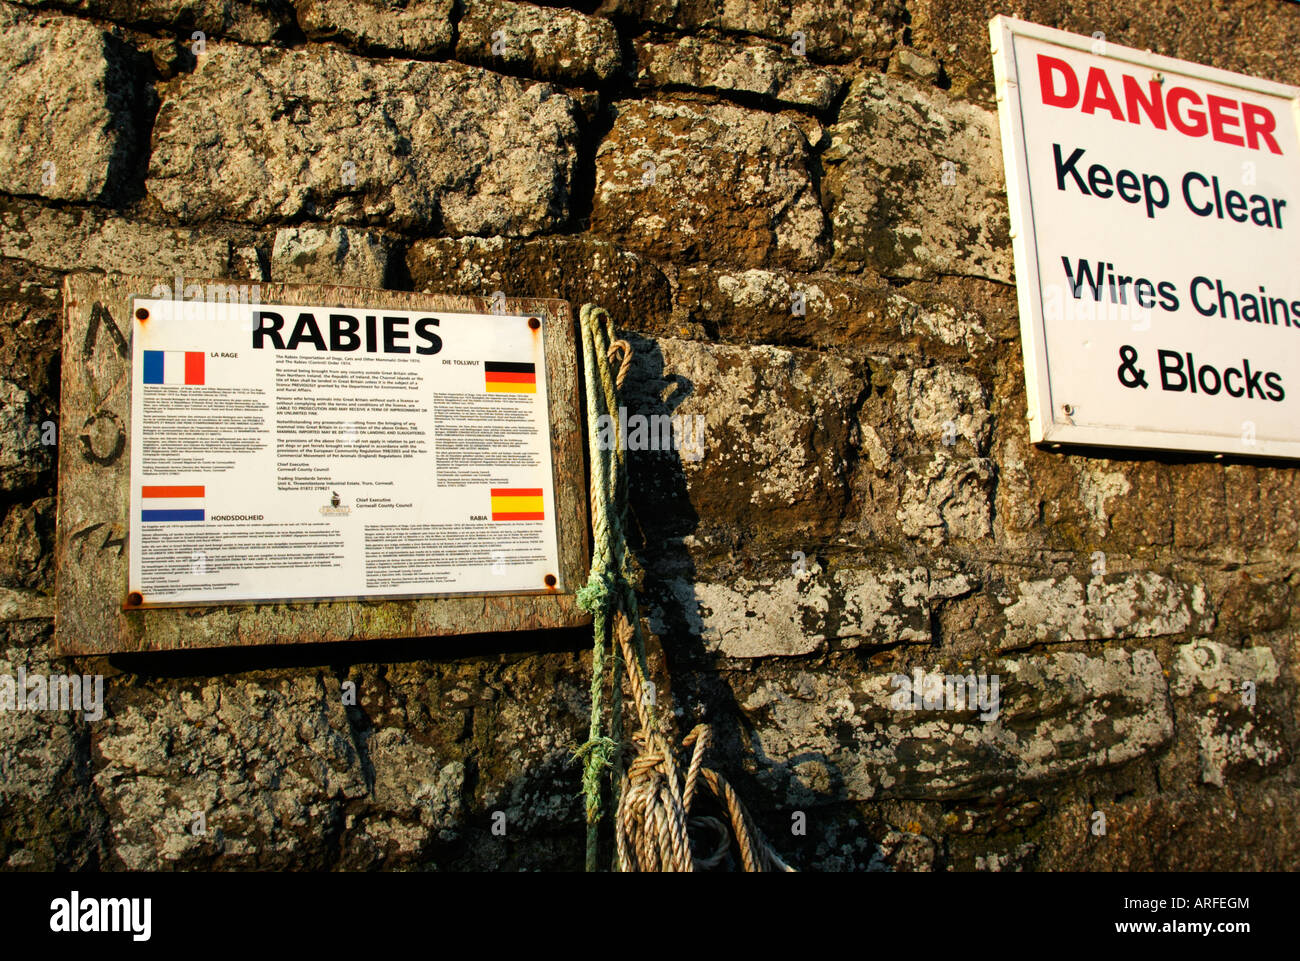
(866, 502)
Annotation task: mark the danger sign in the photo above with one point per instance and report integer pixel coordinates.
(1156, 237)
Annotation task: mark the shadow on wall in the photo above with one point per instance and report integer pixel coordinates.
(342, 655)
(661, 520)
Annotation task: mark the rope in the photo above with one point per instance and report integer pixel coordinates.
(651, 801)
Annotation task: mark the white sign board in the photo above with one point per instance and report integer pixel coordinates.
(1155, 213)
(289, 452)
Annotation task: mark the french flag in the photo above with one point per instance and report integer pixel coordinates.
(173, 367)
(163, 503)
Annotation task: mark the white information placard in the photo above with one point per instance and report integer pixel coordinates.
(291, 452)
(1155, 214)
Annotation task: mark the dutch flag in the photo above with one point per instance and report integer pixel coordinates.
(173, 367)
(163, 503)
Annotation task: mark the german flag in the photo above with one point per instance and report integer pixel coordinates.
(517, 504)
(507, 378)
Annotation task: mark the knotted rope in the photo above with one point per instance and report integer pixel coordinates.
(651, 801)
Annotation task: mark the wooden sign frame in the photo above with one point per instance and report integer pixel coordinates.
(91, 549)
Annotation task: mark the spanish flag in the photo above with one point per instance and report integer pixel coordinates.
(507, 378)
(517, 504)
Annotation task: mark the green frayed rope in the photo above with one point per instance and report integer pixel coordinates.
(608, 591)
(597, 593)
(599, 755)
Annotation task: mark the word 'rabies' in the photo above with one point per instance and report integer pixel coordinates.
(346, 333)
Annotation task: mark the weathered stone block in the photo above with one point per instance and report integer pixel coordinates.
(943, 432)
(529, 746)
(1133, 504)
(717, 183)
(891, 604)
(1206, 665)
(915, 182)
(1085, 503)
(330, 255)
(1239, 730)
(1261, 506)
(761, 442)
(24, 460)
(763, 618)
(1133, 604)
(52, 820)
(633, 289)
(945, 407)
(545, 42)
(419, 795)
(835, 735)
(756, 70)
(27, 545)
(30, 329)
(1201, 519)
(421, 722)
(1232, 743)
(761, 307)
(1250, 603)
(798, 610)
(422, 27)
(251, 21)
(25, 605)
(947, 498)
(1187, 830)
(941, 328)
(91, 240)
(264, 135)
(165, 759)
(832, 29)
(66, 121)
(1249, 36)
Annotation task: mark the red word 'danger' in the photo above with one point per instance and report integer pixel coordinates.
(1228, 121)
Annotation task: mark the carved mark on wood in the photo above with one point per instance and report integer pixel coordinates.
(99, 315)
(83, 534)
(111, 541)
(83, 537)
(102, 431)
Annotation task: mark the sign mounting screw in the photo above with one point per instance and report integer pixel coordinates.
(141, 314)
(534, 323)
(135, 599)
(549, 580)
(1069, 409)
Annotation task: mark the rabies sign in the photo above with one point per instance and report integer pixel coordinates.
(1155, 213)
(283, 452)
